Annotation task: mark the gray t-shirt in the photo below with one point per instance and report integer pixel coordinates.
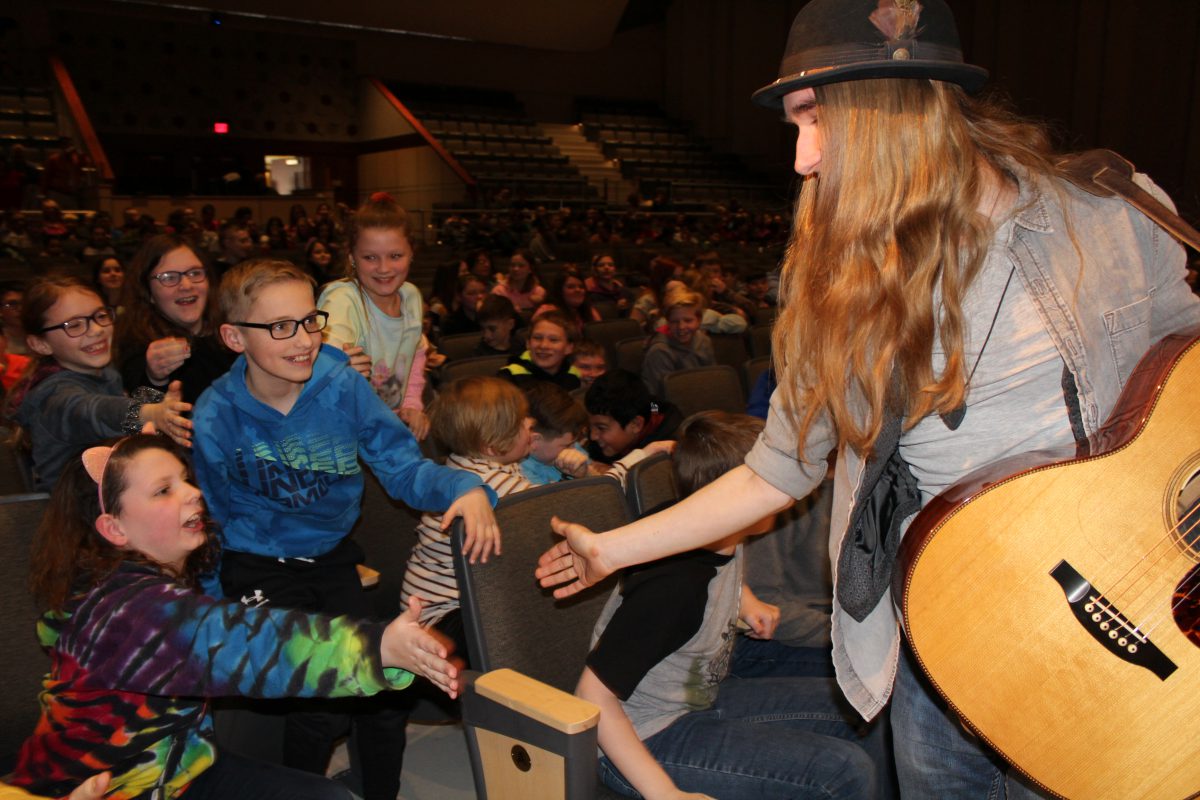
(686, 679)
(1014, 400)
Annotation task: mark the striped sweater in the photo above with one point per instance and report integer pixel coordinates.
(430, 573)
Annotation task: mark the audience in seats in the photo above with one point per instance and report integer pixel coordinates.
(520, 284)
(548, 358)
(623, 416)
(603, 284)
(108, 276)
(12, 298)
(236, 246)
(569, 296)
(469, 291)
(591, 361)
(497, 325)
(683, 346)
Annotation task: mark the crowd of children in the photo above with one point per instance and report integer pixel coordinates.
(244, 577)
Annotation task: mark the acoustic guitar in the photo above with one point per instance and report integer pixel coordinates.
(1054, 599)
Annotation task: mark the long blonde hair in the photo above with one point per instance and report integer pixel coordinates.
(891, 222)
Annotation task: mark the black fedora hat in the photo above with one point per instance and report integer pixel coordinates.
(845, 40)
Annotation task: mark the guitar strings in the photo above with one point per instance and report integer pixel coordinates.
(1150, 618)
(1119, 597)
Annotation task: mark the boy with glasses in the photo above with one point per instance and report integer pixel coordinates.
(277, 446)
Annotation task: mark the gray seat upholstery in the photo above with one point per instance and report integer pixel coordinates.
(485, 366)
(25, 663)
(650, 485)
(459, 345)
(631, 353)
(610, 331)
(512, 623)
(703, 389)
(730, 349)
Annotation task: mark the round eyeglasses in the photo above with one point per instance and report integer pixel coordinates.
(286, 328)
(78, 326)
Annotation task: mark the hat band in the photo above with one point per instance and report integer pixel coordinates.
(816, 59)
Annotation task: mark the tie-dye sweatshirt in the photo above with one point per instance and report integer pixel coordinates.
(133, 660)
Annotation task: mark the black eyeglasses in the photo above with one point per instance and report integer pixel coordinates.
(286, 328)
(78, 326)
(173, 277)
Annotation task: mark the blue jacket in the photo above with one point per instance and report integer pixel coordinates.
(291, 486)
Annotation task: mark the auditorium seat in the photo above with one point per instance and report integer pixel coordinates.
(527, 736)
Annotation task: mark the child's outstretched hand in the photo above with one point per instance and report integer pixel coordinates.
(360, 362)
(168, 415)
(576, 562)
(761, 617)
(421, 651)
(483, 533)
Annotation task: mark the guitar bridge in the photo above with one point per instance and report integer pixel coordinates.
(1108, 625)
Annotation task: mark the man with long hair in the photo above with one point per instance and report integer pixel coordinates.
(949, 299)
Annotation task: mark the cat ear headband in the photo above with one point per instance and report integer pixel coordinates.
(95, 461)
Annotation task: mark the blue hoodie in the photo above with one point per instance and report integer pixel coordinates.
(291, 485)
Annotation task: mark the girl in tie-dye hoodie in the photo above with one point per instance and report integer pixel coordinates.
(136, 649)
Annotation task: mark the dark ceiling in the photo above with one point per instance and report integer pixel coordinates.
(571, 25)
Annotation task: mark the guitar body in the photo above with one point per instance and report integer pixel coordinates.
(1055, 607)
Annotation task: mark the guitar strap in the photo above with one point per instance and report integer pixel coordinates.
(1103, 173)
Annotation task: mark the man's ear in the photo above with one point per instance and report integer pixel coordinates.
(231, 335)
(109, 527)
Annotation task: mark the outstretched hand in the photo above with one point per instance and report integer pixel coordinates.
(573, 564)
(482, 537)
(421, 651)
(168, 415)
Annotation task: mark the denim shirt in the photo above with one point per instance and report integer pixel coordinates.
(1131, 293)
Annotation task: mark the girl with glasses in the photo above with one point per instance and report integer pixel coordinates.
(71, 396)
(167, 330)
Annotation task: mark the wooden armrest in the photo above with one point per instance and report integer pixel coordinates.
(542, 702)
(366, 576)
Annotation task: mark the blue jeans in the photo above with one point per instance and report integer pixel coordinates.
(760, 658)
(765, 738)
(232, 776)
(936, 756)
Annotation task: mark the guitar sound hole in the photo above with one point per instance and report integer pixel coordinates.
(1185, 606)
(1187, 512)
